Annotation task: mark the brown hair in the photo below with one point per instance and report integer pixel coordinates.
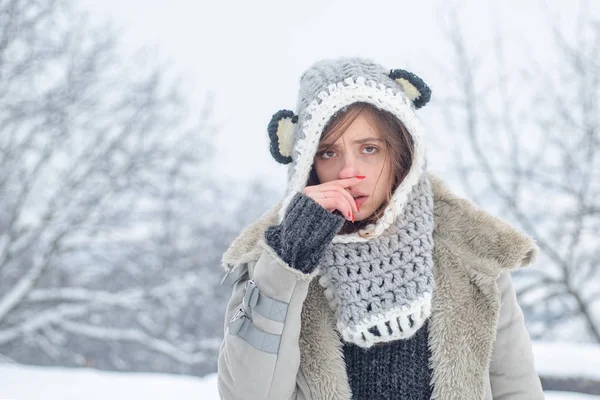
(399, 146)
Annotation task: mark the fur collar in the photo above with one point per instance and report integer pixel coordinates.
(472, 247)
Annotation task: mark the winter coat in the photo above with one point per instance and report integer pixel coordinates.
(479, 344)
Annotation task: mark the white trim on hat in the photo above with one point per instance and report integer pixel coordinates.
(336, 96)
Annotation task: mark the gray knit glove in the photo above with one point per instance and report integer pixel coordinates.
(304, 234)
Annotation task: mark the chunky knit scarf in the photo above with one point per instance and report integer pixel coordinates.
(380, 290)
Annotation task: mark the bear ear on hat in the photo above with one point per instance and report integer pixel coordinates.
(415, 88)
(281, 128)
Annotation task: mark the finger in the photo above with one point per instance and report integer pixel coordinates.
(346, 182)
(332, 186)
(347, 196)
(335, 200)
(330, 200)
(338, 203)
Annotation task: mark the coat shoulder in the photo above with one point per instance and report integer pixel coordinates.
(491, 244)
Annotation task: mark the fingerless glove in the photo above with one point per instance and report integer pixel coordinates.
(304, 234)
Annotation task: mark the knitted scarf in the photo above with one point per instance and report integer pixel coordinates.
(380, 290)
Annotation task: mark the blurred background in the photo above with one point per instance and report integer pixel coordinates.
(134, 149)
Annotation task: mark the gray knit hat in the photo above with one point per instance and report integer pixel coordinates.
(326, 87)
(379, 280)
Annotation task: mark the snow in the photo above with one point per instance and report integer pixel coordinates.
(21, 382)
(569, 396)
(25, 382)
(557, 359)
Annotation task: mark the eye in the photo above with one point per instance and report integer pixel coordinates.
(374, 149)
(323, 154)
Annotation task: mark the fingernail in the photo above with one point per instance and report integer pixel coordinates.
(349, 214)
(360, 176)
(352, 217)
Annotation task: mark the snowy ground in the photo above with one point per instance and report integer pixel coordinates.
(20, 382)
(35, 383)
(567, 360)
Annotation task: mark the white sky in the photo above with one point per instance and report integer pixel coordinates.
(250, 54)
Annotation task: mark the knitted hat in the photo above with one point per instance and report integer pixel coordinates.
(379, 280)
(327, 86)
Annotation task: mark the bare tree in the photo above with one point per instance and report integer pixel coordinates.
(101, 166)
(531, 151)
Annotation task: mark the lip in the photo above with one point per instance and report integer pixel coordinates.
(357, 193)
(359, 202)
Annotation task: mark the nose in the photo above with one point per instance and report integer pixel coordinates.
(350, 167)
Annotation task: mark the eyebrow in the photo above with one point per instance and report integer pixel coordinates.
(369, 139)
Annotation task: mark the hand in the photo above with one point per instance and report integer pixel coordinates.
(333, 195)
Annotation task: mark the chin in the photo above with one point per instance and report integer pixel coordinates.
(361, 216)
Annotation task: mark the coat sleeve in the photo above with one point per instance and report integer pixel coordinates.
(259, 356)
(512, 370)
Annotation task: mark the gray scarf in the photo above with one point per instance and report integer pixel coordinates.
(380, 290)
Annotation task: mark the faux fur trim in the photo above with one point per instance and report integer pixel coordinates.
(321, 355)
(245, 247)
(479, 235)
(462, 326)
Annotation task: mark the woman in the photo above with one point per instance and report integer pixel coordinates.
(370, 279)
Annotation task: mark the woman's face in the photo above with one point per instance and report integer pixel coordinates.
(360, 150)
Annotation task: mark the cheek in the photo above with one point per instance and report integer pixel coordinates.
(324, 172)
(380, 170)
(385, 180)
